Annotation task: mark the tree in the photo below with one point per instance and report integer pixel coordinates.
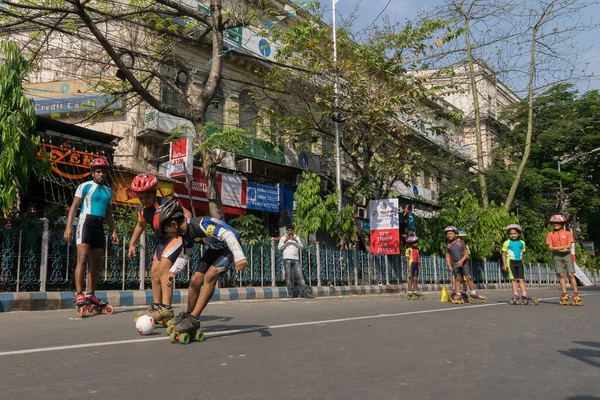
(552, 22)
(250, 228)
(382, 106)
(19, 160)
(154, 45)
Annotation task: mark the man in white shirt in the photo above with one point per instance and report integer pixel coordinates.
(291, 245)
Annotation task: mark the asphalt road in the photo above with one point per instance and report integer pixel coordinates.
(363, 347)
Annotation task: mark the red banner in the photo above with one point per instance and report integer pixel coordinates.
(385, 241)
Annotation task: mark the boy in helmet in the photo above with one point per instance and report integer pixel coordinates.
(512, 261)
(224, 251)
(95, 200)
(413, 263)
(167, 248)
(559, 242)
(456, 255)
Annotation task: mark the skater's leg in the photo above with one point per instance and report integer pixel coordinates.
(95, 258)
(573, 283)
(194, 290)
(167, 290)
(210, 282)
(522, 285)
(515, 285)
(156, 286)
(470, 283)
(563, 283)
(83, 251)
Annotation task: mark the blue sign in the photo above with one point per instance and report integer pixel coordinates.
(262, 197)
(79, 104)
(411, 223)
(264, 47)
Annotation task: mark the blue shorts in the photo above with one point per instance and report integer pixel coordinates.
(169, 248)
(414, 269)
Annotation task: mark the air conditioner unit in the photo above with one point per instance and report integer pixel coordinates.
(297, 179)
(244, 165)
(362, 213)
(323, 185)
(362, 201)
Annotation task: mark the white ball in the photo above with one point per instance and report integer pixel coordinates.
(145, 325)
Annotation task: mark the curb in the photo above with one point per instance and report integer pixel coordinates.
(41, 301)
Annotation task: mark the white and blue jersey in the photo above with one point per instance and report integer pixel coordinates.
(94, 199)
(216, 234)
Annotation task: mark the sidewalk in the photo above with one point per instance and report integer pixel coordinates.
(41, 301)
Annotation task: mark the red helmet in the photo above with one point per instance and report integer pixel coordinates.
(144, 182)
(557, 218)
(99, 163)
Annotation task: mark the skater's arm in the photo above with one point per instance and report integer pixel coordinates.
(69, 228)
(111, 224)
(504, 261)
(233, 244)
(178, 266)
(137, 232)
(449, 261)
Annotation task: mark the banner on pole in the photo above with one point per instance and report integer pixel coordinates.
(385, 226)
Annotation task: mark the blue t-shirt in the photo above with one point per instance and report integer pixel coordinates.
(514, 249)
(94, 199)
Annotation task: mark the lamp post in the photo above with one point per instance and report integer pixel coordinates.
(561, 162)
(336, 117)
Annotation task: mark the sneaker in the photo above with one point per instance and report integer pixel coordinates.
(80, 300)
(160, 314)
(92, 299)
(189, 324)
(178, 319)
(148, 310)
(308, 295)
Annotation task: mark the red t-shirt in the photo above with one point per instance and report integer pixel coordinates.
(560, 238)
(412, 254)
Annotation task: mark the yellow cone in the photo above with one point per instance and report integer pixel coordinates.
(444, 298)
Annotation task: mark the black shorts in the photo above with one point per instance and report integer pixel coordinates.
(221, 259)
(91, 232)
(516, 270)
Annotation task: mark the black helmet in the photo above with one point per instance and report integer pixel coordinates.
(167, 212)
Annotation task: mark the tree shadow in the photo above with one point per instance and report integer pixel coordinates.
(584, 397)
(587, 356)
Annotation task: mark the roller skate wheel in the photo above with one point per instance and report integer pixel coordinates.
(422, 297)
(471, 300)
(173, 337)
(80, 311)
(184, 338)
(483, 301)
(199, 336)
(109, 310)
(535, 302)
(170, 329)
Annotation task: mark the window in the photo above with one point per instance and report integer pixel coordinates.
(181, 79)
(216, 106)
(427, 181)
(248, 112)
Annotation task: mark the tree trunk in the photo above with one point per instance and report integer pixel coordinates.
(215, 205)
(516, 181)
(478, 139)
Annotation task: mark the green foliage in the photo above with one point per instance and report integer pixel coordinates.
(229, 139)
(250, 228)
(314, 214)
(485, 227)
(18, 144)
(126, 218)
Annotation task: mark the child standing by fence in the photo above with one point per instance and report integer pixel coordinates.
(512, 261)
(413, 264)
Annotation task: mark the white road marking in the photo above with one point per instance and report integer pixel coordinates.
(259, 328)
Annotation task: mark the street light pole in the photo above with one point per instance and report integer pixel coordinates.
(336, 118)
(561, 162)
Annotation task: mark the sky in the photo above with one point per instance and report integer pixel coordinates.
(401, 10)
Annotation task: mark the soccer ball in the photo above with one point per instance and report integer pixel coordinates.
(145, 325)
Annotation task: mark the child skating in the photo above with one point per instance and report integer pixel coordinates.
(559, 242)
(512, 261)
(145, 187)
(223, 252)
(413, 263)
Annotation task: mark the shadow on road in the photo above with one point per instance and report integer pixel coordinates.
(583, 398)
(231, 330)
(588, 356)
